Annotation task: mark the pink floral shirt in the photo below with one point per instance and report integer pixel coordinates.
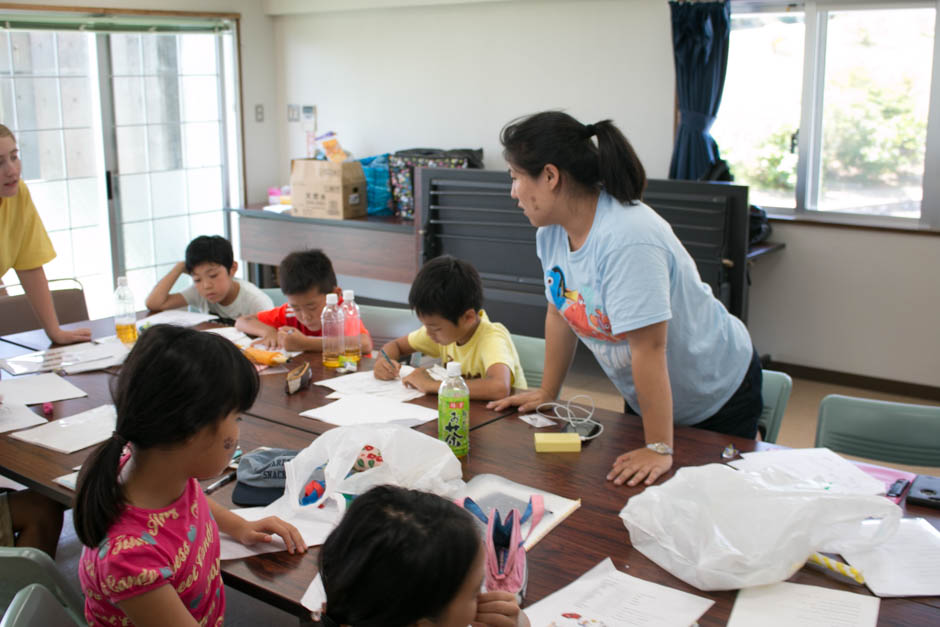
(177, 545)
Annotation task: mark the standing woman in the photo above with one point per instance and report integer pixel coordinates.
(24, 243)
(617, 277)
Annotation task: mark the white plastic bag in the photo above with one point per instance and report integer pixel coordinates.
(717, 528)
(411, 459)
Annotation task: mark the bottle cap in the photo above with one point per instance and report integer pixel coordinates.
(349, 295)
(122, 281)
(331, 299)
(453, 369)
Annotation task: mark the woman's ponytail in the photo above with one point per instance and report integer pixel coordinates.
(554, 137)
(620, 170)
(99, 498)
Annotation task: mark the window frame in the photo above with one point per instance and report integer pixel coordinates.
(809, 162)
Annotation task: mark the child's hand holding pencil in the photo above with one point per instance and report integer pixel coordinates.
(386, 369)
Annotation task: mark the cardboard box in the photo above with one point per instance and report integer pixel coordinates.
(323, 189)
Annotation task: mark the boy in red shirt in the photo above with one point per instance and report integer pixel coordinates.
(306, 278)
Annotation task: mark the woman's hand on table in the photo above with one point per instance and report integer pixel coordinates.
(70, 336)
(526, 400)
(634, 466)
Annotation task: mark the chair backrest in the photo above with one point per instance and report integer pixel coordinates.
(16, 314)
(385, 323)
(893, 432)
(276, 295)
(776, 393)
(21, 566)
(35, 606)
(532, 355)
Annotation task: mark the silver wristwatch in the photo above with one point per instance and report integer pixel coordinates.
(660, 447)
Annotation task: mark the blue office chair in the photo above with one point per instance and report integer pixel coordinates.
(893, 432)
(776, 392)
(275, 294)
(532, 355)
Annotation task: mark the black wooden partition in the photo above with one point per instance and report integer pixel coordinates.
(469, 214)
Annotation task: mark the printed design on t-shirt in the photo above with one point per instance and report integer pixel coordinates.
(155, 522)
(123, 542)
(116, 585)
(574, 307)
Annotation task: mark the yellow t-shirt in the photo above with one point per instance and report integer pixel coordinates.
(489, 345)
(24, 243)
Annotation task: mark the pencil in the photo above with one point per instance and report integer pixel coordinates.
(212, 487)
(849, 572)
(387, 358)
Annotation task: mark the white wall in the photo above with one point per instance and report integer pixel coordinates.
(452, 76)
(258, 84)
(864, 302)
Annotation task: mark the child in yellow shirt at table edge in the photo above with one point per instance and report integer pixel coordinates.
(447, 297)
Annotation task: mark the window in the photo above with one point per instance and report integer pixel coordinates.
(826, 107)
(128, 140)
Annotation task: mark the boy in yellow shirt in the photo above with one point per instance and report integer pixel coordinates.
(447, 297)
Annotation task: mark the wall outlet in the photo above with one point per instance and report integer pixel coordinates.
(259, 113)
(293, 113)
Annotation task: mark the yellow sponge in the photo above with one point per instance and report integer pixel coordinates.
(557, 443)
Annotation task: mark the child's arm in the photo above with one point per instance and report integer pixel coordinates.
(495, 384)
(157, 607)
(267, 335)
(160, 297)
(38, 294)
(291, 339)
(251, 531)
(399, 347)
(499, 609)
(365, 343)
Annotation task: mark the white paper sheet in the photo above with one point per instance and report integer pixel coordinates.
(537, 421)
(359, 410)
(315, 596)
(68, 481)
(17, 416)
(815, 464)
(176, 317)
(241, 340)
(610, 597)
(41, 388)
(72, 359)
(365, 383)
(787, 604)
(67, 435)
(313, 530)
(905, 565)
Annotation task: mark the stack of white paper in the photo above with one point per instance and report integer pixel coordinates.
(17, 416)
(905, 565)
(74, 433)
(42, 388)
(365, 383)
(606, 596)
(359, 410)
(176, 317)
(786, 604)
(815, 464)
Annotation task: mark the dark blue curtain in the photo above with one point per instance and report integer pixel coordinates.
(700, 43)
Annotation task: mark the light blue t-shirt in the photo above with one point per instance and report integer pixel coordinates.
(633, 272)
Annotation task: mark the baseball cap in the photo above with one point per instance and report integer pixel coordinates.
(261, 476)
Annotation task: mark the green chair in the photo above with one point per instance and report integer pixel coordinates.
(893, 432)
(776, 392)
(275, 294)
(35, 606)
(387, 323)
(22, 566)
(532, 355)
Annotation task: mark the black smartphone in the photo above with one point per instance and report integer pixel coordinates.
(583, 429)
(925, 491)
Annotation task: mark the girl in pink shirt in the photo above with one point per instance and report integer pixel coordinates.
(151, 537)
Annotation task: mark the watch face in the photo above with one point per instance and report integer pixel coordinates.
(660, 447)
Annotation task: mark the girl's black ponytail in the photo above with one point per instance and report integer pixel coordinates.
(554, 137)
(99, 498)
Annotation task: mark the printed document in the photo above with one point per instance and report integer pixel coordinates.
(820, 465)
(357, 409)
(67, 435)
(787, 604)
(365, 383)
(905, 565)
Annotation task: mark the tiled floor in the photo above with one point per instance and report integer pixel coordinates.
(798, 429)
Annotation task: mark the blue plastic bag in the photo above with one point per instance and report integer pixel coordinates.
(378, 185)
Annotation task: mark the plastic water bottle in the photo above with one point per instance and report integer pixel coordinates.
(331, 326)
(453, 411)
(125, 316)
(353, 325)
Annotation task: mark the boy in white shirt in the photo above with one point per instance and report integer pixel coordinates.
(210, 262)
